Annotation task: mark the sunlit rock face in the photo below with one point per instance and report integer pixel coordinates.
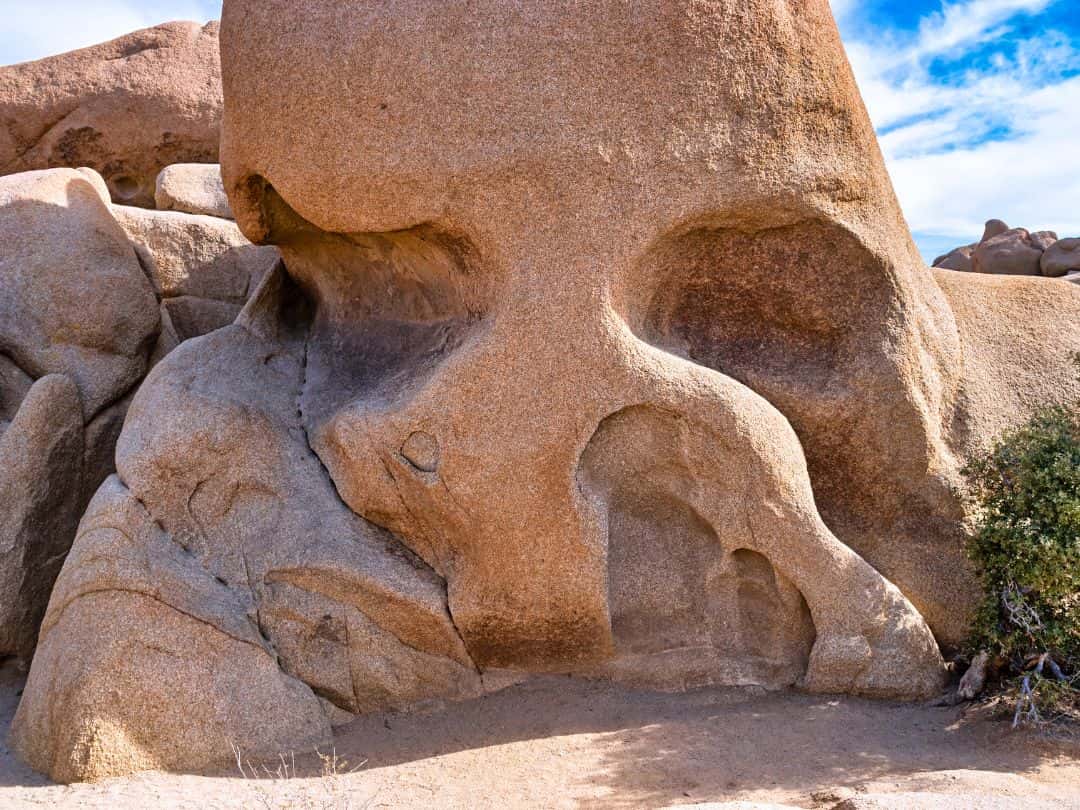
(92, 295)
(126, 108)
(600, 346)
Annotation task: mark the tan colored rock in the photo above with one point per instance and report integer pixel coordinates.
(445, 175)
(1012, 253)
(1017, 336)
(534, 390)
(1061, 258)
(78, 319)
(201, 267)
(126, 108)
(193, 188)
(188, 639)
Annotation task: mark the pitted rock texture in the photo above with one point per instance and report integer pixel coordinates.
(126, 108)
(78, 322)
(532, 386)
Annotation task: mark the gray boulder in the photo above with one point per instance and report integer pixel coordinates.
(78, 323)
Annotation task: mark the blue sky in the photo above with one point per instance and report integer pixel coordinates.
(977, 102)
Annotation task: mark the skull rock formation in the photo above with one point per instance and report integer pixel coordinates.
(567, 289)
(125, 108)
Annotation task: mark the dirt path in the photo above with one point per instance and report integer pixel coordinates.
(562, 743)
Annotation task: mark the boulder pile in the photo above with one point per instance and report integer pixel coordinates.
(93, 295)
(522, 381)
(1006, 251)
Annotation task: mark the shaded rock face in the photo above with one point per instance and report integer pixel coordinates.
(960, 258)
(532, 387)
(78, 322)
(1061, 258)
(126, 108)
(202, 268)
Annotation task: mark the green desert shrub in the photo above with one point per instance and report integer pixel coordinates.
(1026, 547)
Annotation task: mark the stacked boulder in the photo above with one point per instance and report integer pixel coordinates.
(1005, 251)
(97, 287)
(201, 266)
(94, 295)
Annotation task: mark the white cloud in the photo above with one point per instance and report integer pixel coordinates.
(842, 8)
(997, 140)
(963, 23)
(34, 30)
(1032, 180)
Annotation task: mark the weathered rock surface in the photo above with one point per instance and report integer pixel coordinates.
(126, 108)
(77, 315)
(194, 188)
(41, 468)
(198, 256)
(75, 300)
(959, 259)
(537, 403)
(80, 316)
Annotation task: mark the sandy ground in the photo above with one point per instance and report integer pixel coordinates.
(562, 743)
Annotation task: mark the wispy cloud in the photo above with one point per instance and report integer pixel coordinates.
(35, 30)
(977, 106)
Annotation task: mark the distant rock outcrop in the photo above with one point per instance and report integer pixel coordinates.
(1005, 251)
(126, 108)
